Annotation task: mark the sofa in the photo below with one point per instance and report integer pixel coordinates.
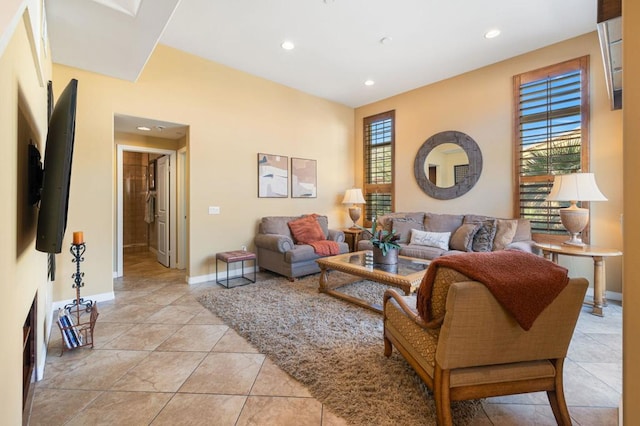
(427, 235)
(279, 251)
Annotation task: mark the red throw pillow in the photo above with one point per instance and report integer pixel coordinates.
(306, 230)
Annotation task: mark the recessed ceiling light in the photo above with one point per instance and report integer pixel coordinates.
(144, 128)
(369, 83)
(492, 33)
(287, 45)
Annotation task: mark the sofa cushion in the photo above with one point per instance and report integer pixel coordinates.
(403, 227)
(386, 221)
(276, 225)
(301, 253)
(306, 230)
(434, 222)
(431, 239)
(462, 238)
(505, 231)
(421, 252)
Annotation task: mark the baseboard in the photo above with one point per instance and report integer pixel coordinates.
(234, 272)
(102, 297)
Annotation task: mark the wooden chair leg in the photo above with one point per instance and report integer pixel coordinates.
(556, 397)
(388, 347)
(442, 396)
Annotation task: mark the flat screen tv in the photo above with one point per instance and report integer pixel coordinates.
(54, 197)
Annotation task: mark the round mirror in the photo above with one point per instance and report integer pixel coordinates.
(448, 165)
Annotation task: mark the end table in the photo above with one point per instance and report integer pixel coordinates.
(352, 236)
(551, 251)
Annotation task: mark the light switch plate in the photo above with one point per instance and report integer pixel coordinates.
(214, 210)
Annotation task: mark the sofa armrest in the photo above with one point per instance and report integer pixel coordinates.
(336, 235)
(477, 330)
(274, 242)
(410, 313)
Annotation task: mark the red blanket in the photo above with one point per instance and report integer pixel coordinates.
(523, 283)
(325, 247)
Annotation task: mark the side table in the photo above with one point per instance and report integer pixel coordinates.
(351, 237)
(230, 257)
(551, 251)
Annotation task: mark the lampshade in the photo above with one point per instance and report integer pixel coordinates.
(575, 187)
(353, 196)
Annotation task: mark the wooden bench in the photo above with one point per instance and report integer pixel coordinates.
(230, 257)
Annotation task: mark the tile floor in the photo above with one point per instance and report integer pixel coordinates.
(160, 358)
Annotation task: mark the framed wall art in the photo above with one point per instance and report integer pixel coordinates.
(273, 176)
(303, 178)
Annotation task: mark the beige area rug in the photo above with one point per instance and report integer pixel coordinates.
(332, 347)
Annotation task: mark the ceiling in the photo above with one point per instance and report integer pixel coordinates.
(337, 42)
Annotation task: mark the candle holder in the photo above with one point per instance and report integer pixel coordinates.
(75, 327)
(77, 250)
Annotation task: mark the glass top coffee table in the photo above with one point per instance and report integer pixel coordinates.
(406, 275)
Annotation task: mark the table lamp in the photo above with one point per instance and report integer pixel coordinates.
(354, 196)
(575, 187)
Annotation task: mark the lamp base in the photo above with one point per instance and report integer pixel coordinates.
(354, 214)
(574, 219)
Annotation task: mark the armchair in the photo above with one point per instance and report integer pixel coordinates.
(476, 349)
(278, 252)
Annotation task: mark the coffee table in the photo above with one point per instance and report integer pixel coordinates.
(406, 275)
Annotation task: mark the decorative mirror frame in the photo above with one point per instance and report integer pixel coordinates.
(469, 146)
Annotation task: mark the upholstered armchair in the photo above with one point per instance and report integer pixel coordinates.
(474, 348)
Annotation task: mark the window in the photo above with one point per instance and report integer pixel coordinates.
(379, 136)
(551, 133)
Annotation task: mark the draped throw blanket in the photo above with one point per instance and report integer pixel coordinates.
(523, 283)
(325, 247)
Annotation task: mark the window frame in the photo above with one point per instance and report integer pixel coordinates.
(582, 64)
(371, 188)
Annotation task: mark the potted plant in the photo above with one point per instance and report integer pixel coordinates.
(385, 246)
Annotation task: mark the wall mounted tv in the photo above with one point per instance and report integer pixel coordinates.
(54, 196)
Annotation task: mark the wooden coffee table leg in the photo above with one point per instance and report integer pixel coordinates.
(324, 276)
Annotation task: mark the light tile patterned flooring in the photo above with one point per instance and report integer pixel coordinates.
(160, 358)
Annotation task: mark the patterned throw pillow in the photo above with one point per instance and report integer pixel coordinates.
(462, 238)
(483, 240)
(306, 230)
(432, 239)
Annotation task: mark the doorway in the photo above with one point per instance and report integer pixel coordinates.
(147, 193)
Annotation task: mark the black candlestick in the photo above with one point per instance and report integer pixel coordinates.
(77, 250)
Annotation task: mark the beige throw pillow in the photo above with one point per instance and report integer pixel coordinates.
(462, 239)
(505, 232)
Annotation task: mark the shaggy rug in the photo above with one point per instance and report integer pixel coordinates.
(332, 347)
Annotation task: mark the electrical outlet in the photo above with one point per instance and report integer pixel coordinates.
(214, 210)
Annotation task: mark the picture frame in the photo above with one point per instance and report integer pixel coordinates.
(304, 176)
(273, 176)
(152, 175)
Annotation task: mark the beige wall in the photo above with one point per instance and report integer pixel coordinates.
(231, 117)
(479, 103)
(23, 116)
(631, 315)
